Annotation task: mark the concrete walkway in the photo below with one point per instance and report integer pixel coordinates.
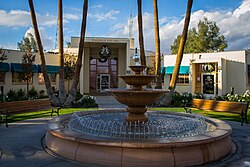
(20, 145)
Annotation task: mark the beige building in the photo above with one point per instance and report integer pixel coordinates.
(103, 60)
(212, 74)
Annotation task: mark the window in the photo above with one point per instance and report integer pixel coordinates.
(2, 77)
(17, 78)
(248, 78)
(52, 78)
(182, 79)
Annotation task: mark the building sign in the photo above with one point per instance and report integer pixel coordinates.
(104, 53)
(208, 67)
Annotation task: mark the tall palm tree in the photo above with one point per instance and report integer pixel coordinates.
(62, 94)
(167, 98)
(183, 40)
(140, 32)
(73, 91)
(157, 47)
(50, 92)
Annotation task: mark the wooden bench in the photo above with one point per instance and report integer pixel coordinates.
(11, 108)
(220, 106)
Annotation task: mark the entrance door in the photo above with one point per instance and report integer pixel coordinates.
(208, 84)
(103, 82)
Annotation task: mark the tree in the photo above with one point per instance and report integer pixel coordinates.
(62, 94)
(3, 56)
(206, 39)
(157, 48)
(49, 89)
(28, 60)
(28, 44)
(140, 32)
(166, 99)
(73, 90)
(69, 67)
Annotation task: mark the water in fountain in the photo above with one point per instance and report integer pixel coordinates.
(160, 125)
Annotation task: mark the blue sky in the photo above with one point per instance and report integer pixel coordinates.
(109, 18)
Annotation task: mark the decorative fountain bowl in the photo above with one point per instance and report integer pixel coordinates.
(137, 98)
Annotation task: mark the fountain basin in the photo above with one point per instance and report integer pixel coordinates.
(187, 151)
(137, 81)
(132, 97)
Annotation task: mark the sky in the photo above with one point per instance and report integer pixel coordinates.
(110, 18)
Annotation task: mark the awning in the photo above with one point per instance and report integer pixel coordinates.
(50, 69)
(4, 67)
(183, 70)
(162, 70)
(17, 67)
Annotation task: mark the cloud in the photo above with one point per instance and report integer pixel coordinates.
(71, 17)
(104, 16)
(97, 6)
(233, 25)
(47, 41)
(20, 18)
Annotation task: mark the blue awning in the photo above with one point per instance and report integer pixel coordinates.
(162, 70)
(4, 67)
(183, 70)
(17, 67)
(50, 69)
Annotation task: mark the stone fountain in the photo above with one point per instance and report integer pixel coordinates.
(135, 138)
(137, 98)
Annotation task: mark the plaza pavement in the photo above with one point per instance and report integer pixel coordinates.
(20, 144)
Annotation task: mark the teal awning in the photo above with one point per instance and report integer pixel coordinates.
(4, 67)
(50, 69)
(17, 67)
(183, 70)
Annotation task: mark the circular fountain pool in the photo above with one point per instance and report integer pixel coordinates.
(167, 139)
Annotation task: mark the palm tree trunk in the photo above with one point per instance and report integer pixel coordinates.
(157, 48)
(73, 90)
(62, 94)
(166, 99)
(140, 32)
(175, 74)
(50, 92)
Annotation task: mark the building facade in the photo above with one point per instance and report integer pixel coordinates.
(212, 74)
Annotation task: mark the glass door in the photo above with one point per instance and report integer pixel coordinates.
(103, 82)
(208, 84)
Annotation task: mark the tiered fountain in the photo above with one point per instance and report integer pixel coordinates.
(115, 138)
(137, 98)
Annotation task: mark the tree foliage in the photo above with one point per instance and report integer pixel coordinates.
(206, 38)
(28, 44)
(28, 60)
(3, 56)
(69, 66)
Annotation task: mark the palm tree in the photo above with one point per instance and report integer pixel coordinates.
(140, 32)
(157, 47)
(183, 40)
(73, 91)
(50, 92)
(167, 98)
(62, 94)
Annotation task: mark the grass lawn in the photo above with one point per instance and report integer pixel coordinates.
(46, 113)
(212, 114)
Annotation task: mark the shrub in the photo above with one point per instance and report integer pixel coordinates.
(20, 95)
(33, 93)
(87, 102)
(181, 99)
(41, 94)
(198, 96)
